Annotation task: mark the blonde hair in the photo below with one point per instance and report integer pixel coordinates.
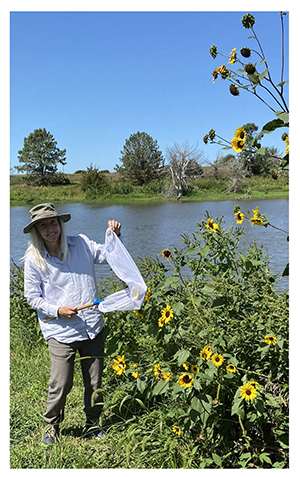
(36, 244)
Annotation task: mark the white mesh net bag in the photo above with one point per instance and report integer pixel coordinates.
(124, 267)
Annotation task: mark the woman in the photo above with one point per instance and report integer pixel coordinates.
(59, 276)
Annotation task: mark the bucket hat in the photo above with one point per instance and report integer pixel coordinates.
(41, 212)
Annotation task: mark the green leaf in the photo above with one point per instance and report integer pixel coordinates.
(217, 459)
(254, 78)
(272, 125)
(182, 355)
(286, 272)
(263, 74)
(141, 385)
(171, 281)
(161, 387)
(282, 83)
(271, 401)
(238, 408)
(261, 151)
(190, 251)
(283, 116)
(264, 457)
(178, 307)
(201, 407)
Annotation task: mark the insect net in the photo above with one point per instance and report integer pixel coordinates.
(124, 267)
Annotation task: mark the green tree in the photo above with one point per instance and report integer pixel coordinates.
(141, 158)
(94, 183)
(262, 162)
(40, 157)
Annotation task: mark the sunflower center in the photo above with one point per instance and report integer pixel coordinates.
(186, 379)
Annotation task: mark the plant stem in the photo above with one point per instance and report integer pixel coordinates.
(253, 372)
(277, 228)
(242, 427)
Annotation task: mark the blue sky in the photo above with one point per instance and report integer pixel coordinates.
(94, 78)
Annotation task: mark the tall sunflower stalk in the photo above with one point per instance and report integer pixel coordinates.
(249, 70)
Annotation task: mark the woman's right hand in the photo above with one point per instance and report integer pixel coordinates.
(67, 311)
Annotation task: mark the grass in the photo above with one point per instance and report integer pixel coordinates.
(206, 188)
(130, 442)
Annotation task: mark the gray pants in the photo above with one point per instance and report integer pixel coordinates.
(61, 379)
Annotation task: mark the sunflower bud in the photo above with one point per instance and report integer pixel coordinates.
(248, 20)
(212, 134)
(245, 52)
(250, 69)
(205, 139)
(234, 90)
(213, 51)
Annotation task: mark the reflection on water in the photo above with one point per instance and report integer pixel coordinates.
(148, 228)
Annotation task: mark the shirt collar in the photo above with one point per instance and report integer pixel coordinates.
(45, 253)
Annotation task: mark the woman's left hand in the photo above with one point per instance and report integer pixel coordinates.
(115, 226)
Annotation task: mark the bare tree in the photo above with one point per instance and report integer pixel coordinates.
(237, 174)
(215, 164)
(183, 165)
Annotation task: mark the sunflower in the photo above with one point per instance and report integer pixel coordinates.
(185, 381)
(254, 384)
(119, 365)
(240, 133)
(195, 369)
(138, 313)
(166, 315)
(135, 374)
(211, 225)
(157, 370)
(248, 392)
(239, 217)
(270, 340)
(232, 59)
(206, 353)
(237, 144)
(161, 322)
(217, 359)
(186, 365)
(257, 221)
(255, 212)
(148, 294)
(230, 368)
(287, 149)
(166, 253)
(222, 70)
(166, 376)
(177, 430)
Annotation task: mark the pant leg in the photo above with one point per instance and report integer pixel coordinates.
(92, 369)
(61, 379)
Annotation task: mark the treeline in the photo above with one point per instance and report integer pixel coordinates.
(145, 172)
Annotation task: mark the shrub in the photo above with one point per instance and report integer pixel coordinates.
(94, 183)
(210, 347)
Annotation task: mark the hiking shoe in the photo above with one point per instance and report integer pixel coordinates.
(92, 430)
(50, 434)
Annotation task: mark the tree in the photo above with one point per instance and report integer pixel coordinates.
(258, 163)
(41, 157)
(184, 164)
(93, 182)
(141, 158)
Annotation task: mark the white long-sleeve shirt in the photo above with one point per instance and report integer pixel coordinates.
(71, 282)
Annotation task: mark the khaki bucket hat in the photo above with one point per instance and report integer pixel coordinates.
(41, 212)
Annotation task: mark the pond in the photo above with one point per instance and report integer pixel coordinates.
(148, 228)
